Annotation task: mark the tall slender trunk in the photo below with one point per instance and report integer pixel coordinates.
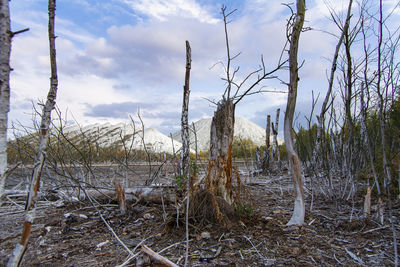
(185, 141)
(5, 50)
(294, 162)
(320, 141)
(348, 95)
(382, 121)
(30, 205)
(184, 160)
(368, 143)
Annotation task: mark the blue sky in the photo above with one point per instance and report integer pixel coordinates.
(117, 56)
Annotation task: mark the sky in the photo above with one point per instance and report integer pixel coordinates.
(116, 57)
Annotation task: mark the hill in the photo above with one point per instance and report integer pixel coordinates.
(106, 135)
(244, 129)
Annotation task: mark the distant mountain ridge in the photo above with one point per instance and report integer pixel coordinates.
(107, 134)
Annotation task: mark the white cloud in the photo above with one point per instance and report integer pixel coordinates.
(145, 62)
(162, 9)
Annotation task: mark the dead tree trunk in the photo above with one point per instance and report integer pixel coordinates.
(5, 50)
(219, 176)
(276, 155)
(320, 140)
(382, 90)
(30, 205)
(184, 170)
(267, 145)
(294, 162)
(184, 160)
(349, 156)
(120, 192)
(367, 140)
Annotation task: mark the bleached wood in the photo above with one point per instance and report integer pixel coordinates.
(5, 50)
(367, 202)
(157, 256)
(275, 148)
(30, 206)
(320, 140)
(294, 162)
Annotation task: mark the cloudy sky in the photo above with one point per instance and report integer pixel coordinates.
(117, 56)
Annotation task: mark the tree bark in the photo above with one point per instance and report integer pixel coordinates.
(30, 205)
(184, 160)
(120, 192)
(267, 145)
(5, 50)
(219, 176)
(294, 162)
(276, 155)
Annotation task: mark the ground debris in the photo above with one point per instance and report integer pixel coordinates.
(74, 235)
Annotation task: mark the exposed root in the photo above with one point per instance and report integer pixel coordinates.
(205, 208)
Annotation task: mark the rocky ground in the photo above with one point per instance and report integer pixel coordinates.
(334, 234)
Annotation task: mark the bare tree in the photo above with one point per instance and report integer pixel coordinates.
(381, 92)
(365, 86)
(320, 140)
(5, 50)
(184, 159)
(219, 176)
(30, 206)
(294, 162)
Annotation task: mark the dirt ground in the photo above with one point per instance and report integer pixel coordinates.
(334, 233)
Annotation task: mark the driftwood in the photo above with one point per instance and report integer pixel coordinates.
(157, 257)
(152, 194)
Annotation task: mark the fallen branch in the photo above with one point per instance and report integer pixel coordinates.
(376, 229)
(157, 256)
(152, 194)
(354, 257)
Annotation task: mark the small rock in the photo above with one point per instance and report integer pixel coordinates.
(205, 235)
(278, 211)
(148, 216)
(102, 244)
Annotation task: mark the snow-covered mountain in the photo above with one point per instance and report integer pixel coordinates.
(107, 134)
(244, 129)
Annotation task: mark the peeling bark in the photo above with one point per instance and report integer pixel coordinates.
(294, 162)
(267, 145)
(219, 176)
(30, 205)
(120, 192)
(184, 159)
